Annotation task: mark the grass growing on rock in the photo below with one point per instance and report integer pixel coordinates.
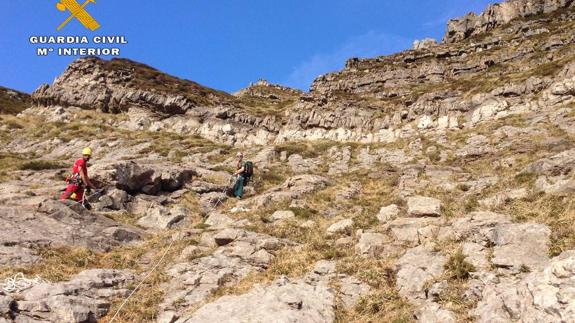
(62, 263)
(557, 212)
(457, 267)
(456, 275)
(383, 303)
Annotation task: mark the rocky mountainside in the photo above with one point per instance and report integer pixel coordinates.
(508, 60)
(433, 185)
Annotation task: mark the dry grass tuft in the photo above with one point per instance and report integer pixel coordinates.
(383, 304)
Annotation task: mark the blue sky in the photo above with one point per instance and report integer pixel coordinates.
(227, 44)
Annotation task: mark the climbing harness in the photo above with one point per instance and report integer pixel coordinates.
(20, 283)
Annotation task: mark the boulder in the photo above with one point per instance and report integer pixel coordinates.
(133, 178)
(388, 213)
(343, 226)
(161, 217)
(299, 165)
(349, 192)
(518, 245)
(216, 219)
(414, 231)
(209, 201)
(416, 267)
(351, 290)
(227, 236)
(293, 188)
(282, 215)
(501, 198)
(150, 179)
(421, 206)
(86, 298)
(265, 156)
(341, 160)
(556, 165)
(119, 199)
(371, 244)
(434, 313)
(556, 185)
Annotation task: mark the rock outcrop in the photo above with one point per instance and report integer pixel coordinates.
(500, 14)
(54, 224)
(85, 298)
(120, 84)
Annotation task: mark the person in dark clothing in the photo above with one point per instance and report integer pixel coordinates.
(240, 176)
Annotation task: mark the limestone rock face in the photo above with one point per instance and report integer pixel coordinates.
(85, 298)
(518, 245)
(282, 215)
(236, 254)
(162, 217)
(499, 14)
(58, 224)
(543, 295)
(416, 267)
(388, 213)
(119, 84)
(371, 244)
(309, 299)
(283, 301)
(424, 43)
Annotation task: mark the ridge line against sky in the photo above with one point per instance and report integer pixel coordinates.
(230, 43)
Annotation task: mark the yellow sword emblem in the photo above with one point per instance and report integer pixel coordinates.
(77, 11)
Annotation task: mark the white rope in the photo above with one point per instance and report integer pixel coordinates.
(20, 283)
(219, 199)
(143, 280)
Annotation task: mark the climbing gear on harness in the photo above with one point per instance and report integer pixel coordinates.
(74, 179)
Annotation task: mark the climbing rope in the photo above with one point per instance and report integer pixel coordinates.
(20, 283)
(219, 199)
(155, 266)
(143, 280)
